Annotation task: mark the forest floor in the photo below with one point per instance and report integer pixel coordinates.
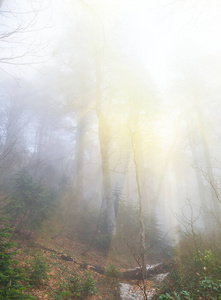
(52, 251)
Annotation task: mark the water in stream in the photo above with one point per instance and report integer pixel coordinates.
(133, 291)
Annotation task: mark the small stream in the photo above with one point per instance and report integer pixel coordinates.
(133, 291)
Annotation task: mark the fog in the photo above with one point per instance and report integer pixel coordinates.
(114, 103)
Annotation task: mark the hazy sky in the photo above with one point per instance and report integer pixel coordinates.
(167, 35)
(163, 35)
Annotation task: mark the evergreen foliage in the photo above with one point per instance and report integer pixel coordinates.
(38, 270)
(77, 287)
(28, 203)
(11, 277)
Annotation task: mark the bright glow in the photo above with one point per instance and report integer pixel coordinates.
(160, 77)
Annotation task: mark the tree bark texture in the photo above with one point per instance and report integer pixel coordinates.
(104, 140)
(141, 221)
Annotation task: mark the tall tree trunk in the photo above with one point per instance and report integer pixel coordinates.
(141, 220)
(104, 140)
(79, 154)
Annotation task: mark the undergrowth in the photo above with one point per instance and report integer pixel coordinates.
(11, 276)
(112, 272)
(77, 287)
(37, 270)
(196, 273)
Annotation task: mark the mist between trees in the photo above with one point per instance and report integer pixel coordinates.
(89, 142)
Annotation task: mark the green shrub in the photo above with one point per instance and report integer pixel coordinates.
(38, 270)
(196, 273)
(88, 285)
(210, 285)
(11, 277)
(77, 287)
(175, 296)
(112, 271)
(28, 202)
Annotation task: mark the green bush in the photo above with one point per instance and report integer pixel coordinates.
(38, 270)
(77, 287)
(88, 285)
(11, 277)
(175, 296)
(196, 273)
(112, 271)
(28, 202)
